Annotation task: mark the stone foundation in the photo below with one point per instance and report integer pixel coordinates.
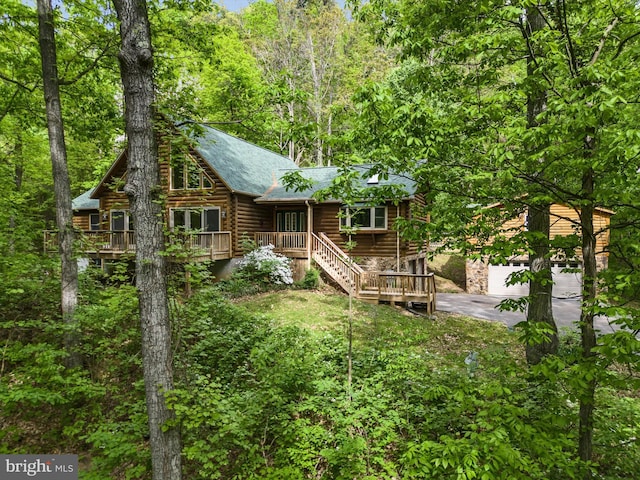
(377, 264)
(298, 268)
(602, 262)
(477, 272)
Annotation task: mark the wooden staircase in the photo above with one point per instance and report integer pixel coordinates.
(336, 263)
(372, 286)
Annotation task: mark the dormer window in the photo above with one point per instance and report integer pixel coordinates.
(187, 175)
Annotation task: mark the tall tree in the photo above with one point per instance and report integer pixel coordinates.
(278, 51)
(539, 213)
(64, 212)
(88, 85)
(144, 192)
(313, 57)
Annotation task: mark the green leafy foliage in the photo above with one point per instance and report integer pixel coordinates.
(311, 279)
(262, 400)
(263, 395)
(260, 269)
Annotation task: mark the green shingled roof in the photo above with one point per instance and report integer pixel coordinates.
(253, 170)
(243, 166)
(85, 202)
(322, 178)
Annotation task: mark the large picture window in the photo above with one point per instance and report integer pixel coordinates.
(195, 219)
(364, 218)
(187, 175)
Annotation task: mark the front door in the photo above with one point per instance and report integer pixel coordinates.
(291, 221)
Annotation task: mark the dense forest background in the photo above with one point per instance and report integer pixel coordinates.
(520, 103)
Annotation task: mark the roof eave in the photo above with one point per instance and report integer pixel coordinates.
(265, 201)
(107, 175)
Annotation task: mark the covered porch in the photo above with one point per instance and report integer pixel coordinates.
(289, 244)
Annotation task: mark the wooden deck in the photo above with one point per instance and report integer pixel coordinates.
(290, 244)
(398, 287)
(112, 244)
(392, 287)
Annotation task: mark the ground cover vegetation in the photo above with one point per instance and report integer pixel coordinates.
(520, 103)
(261, 390)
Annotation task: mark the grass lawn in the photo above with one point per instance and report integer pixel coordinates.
(387, 327)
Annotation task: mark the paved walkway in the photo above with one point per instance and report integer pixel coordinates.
(566, 311)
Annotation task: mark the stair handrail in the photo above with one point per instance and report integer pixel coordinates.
(323, 238)
(350, 268)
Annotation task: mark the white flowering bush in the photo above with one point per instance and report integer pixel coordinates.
(264, 265)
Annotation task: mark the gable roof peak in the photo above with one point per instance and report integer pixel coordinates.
(243, 166)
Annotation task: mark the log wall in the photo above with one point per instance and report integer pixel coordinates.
(566, 221)
(377, 243)
(217, 196)
(82, 221)
(248, 218)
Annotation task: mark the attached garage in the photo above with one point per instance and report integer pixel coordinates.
(567, 284)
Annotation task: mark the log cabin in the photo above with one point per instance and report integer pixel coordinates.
(483, 277)
(220, 190)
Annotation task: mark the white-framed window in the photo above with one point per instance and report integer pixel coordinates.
(121, 220)
(195, 219)
(94, 221)
(364, 218)
(187, 175)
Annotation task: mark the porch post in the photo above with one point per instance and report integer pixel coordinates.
(309, 230)
(397, 241)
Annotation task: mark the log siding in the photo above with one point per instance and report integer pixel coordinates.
(241, 215)
(565, 221)
(369, 243)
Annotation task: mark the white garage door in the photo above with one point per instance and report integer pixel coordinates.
(566, 284)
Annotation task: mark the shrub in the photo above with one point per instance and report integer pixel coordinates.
(311, 279)
(240, 390)
(265, 266)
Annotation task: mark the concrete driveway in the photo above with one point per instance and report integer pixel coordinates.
(566, 311)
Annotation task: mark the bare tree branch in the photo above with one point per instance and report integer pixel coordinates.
(603, 40)
(19, 84)
(623, 43)
(104, 53)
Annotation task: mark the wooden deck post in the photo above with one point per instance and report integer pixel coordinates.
(309, 230)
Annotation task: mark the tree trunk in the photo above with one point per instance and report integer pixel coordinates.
(145, 197)
(315, 103)
(62, 189)
(587, 332)
(541, 285)
(18, 174)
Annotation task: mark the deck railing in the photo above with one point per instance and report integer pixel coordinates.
(283, 241)
(400, 287)
(405, 284)
(216, 245)
(344, 271)
(94, 241)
